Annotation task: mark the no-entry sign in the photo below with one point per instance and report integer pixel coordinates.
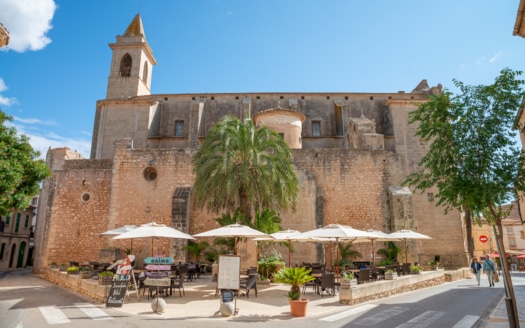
(483, 239)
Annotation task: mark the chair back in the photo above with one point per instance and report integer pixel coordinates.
(364, 276)
(252, 280)
(406, 268)
(328, 280)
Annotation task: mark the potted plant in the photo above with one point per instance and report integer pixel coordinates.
(105, 278)
(85, 273)
(295, 277)
(433, 265)
(54, 265)
(347, 280)
(62, 267)
(72, 270)
(270, 264)
(389, 274)
(415, 269)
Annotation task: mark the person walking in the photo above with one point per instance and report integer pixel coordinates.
(476, 268)
(489, 267)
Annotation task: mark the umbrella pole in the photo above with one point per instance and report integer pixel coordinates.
(131, 247)
(289, 253)
(373, 255)
(235, 249)
(151, 246)
(336, 256)
(406, 251)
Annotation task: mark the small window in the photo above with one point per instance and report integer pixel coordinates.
(26, 222)
(282, 135)
(316, 128)
(150, 173)
(86, 197)
(17, 225)
(7, 220)
(510, 230)
(2, 248)
(145, 73)
(179, 128)
(512, 242)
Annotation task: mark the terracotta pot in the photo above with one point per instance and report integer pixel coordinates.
(298, 307)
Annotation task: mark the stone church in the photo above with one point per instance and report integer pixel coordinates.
(351, 152)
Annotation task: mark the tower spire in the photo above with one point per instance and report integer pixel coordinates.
(135, 27)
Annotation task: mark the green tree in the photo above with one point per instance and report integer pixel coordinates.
(473, 159)
(239, 165)
(347, 253)
(196, 248)
(21, 170)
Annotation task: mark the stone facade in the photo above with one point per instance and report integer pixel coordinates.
(351, 152)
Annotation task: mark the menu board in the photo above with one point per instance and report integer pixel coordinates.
(117, 292)
(229, 272)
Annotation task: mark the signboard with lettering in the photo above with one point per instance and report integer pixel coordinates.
(157, 282)
(158, 260)
(157, 274)
(116, 293)
(229, 272)
(227, 296)
(158, 267)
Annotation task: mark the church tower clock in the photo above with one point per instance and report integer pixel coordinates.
(132, 64)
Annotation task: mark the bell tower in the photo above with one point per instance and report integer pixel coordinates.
(132, 63)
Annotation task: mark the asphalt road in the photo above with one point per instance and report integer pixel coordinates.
(28, 301)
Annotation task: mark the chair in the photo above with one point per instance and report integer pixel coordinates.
(406, 268)
(364, 276)
(314, 283)
(141, 285)
(178, 283)
(251, 283)
(183, 271)
(328, 283)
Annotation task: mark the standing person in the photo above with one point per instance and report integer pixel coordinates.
(489, 267)
(476, 268)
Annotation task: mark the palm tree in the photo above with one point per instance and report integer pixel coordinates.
(239, 165)
(390, 252)
(196, 248)
(347, 253)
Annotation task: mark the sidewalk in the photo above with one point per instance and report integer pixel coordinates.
(200, 303)
(499, 319)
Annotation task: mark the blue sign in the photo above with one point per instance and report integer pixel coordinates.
(158, 260)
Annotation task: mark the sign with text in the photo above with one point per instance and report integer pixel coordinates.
(229, 272)
(157, 282)
(157, 274)
(227, 296)
(164, 267)
(158, 260)
(116, 293)
(483, 239)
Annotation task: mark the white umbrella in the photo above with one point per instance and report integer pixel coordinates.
(281, 236)
(119, 231)
(338, 232)
(407, 234)
(376, 235)
(233, 230)
(154, 230)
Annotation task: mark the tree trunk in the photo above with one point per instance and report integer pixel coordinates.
(509, 289)
(470, 241)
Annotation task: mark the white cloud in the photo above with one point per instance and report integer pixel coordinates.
(34, 121)
(27, 21)
(495, 57)
(5, 100)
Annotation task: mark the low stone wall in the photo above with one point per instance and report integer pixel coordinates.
(463, 273)
(385, 288)
(86, 287)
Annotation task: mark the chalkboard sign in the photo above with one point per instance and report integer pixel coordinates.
(229, 272)
(116, 293)
(227, 296)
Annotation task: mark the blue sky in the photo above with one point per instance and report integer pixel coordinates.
(56, 67)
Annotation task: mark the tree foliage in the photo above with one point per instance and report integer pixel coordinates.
(239, 165)
(21, 170)
(473, 158)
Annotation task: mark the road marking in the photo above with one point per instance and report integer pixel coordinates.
(468, 321)
(348, 313)
(93, 311)
(377, 318)
(423, 320)
(53, 315)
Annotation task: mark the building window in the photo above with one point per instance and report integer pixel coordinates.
(145, 73)
(125, 65)
(316, 129)
(17, 225)
(510, 230)
(26, 222)
(179, 128)
(2, 248)
(512, 242)
(282, 135)
(430, 196)
(7, 220)
(150, 173)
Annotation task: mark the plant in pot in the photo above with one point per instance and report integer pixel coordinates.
(295, 277)
(415, 269)
(72, 270)
(433, 265)
(347, 280)
(270, 264)
(389, 274)
(85, 273)
(105, 278)
(62, 267)
(54, 265)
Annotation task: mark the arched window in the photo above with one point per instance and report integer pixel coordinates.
(145, 72)
(125, 65)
